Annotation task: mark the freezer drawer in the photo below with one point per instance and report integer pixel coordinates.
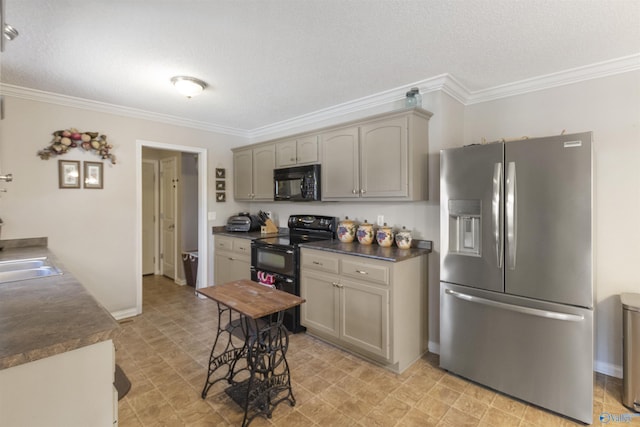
(536, 351)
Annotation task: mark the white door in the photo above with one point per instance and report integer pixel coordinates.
(168, 187)
(149, 217)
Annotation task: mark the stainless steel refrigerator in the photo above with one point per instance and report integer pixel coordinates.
(516, 288)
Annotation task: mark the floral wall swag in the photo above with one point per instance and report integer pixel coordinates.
(63, 140)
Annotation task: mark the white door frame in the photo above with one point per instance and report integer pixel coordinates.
(203, 243)
(156, 210)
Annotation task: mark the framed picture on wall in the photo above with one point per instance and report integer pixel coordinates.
(220, 173)
(68, 173)
(93, 175)
(220, 185)
(221, 197)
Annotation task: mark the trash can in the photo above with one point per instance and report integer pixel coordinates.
(190, 262)
(631, 350)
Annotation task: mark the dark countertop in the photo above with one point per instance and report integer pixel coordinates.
(251, 235)
(46, 316)
(392, 253)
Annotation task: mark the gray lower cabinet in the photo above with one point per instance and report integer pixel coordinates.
(232, 259)
(253, 173)
(376, 309)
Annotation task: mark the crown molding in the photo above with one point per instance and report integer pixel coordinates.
(337, 111)
(574, 75)
(103, 107)
(444, 82)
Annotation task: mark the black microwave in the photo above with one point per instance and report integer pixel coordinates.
(297, 184)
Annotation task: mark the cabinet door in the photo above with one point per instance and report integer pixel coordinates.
(384, 158)
(240, 268)
(307, 150)
(229, 267)
(340, 169)
(264, 162)
(321, 311)
(365, 317)
(286, 153)
(242, 174)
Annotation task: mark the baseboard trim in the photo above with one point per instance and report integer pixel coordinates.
(608, 369)
(124, 314)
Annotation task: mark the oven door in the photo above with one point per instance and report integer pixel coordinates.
(272, 258)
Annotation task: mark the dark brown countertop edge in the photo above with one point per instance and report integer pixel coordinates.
(105, 327)
(24, 243)
(374, 251)
(252, 235)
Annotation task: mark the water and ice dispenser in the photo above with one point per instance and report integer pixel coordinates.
(465, 219)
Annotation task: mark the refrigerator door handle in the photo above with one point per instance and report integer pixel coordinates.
(517, 308)
(512, 241)
(495, 212)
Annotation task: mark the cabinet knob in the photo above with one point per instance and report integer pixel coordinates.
(335, 284)
(293, 159)
(354, 191)
(361, 272)
(363, 191)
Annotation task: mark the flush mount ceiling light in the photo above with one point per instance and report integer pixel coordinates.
(9, 32)
(188, 86)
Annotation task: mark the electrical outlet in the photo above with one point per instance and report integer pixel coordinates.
(380, 219)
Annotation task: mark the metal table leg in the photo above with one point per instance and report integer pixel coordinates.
(269, 382)
(232, 353)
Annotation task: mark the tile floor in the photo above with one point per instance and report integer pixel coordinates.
(165, 352)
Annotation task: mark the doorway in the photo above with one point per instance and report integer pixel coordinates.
(142, 171)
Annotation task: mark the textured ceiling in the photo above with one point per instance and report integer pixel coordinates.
(271, 60)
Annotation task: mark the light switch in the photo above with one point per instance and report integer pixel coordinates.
(211, 216)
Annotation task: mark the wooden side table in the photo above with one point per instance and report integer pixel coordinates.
(261, 351)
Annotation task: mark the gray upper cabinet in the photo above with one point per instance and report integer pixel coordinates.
(384, 158)
(253, 173)
(378, 158)
(340, 167)
(297, 151)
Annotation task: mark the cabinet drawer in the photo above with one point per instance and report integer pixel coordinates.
(366, 271)
(318, 261)
(224, 243)
(230, 244)
(242, 246)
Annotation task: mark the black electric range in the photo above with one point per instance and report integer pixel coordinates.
(275, 261)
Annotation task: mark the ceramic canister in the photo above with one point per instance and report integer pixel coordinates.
(403, 239)
(384, 236)
(346, 230)
(365, 233)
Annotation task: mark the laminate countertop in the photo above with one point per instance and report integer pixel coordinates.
(46, 316)
(392, 253)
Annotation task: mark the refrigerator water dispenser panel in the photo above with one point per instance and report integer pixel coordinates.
(465, 218)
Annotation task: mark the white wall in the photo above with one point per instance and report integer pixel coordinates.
(91, 231)
(610, 107)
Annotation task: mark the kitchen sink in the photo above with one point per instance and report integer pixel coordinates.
(28, 268)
